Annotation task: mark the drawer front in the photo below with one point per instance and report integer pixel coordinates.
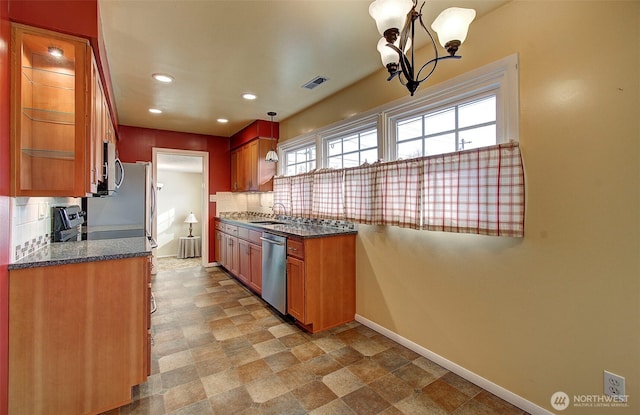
(295, 248)
(219, 226)
(231, 229)
(243, 233)
(254, 237)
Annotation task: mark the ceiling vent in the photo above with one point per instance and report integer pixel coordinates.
(315, 82)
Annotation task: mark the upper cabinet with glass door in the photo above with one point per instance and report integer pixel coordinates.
(49, 114)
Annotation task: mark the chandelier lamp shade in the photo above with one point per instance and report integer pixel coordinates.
(271, 154)
(396, 21)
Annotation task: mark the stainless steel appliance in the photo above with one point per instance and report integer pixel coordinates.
(130, 208)
(67, 223)
(274, 270)
(113, 171)
(68, 226)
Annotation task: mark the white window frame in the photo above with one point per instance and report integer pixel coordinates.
(355, 127)
(292, 146)
(500, 77)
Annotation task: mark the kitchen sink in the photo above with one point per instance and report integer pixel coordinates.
(267, 222)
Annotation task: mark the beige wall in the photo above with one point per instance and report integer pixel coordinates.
(551, 311)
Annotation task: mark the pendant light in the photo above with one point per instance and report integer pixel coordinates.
(396, 21)
(272, 155)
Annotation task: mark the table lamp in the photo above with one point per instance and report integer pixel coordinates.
(191, 219)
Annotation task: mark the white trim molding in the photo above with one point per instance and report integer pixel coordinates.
(485, 384)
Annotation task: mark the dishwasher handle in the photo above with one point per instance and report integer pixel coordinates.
(271, 241)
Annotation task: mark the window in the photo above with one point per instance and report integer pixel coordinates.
(471, 124)
(474, 110)
(300, 160)
(353, 149)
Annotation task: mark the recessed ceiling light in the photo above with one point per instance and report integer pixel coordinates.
(54, 51)
(155, 111)
(249, 96)
(162, 77)
(222, 120)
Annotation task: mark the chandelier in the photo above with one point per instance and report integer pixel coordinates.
(396, 21)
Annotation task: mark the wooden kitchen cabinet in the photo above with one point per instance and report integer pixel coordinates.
(57, 115)
(296, 293)
(255, 260)
(321, 281)
(79, 336)
(240, 253)
(250, 172)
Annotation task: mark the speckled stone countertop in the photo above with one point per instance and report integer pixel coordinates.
(288, 227)
(61, 253)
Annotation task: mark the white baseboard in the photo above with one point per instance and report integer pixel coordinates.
(485, 384)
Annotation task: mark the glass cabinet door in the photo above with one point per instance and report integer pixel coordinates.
(48, 142)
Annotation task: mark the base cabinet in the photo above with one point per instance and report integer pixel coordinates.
(78, 336)
(296, 293)
(238, 249)
(321, 281)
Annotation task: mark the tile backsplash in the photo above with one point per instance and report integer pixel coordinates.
(31, 223)
(242, 202)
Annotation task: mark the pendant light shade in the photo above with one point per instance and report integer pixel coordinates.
(272, 156)
(390, 14)
(453, 24)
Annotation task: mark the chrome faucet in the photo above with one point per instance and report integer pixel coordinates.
(284, 208)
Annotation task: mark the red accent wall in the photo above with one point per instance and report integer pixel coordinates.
(136, 144)
(258, 128)
(5, 237)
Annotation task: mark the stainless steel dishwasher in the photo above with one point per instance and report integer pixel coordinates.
(274, 271)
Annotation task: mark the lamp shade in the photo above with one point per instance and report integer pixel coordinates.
(272, 156)
(390, 14)
(453, 24)
(191, 218)
(388, 55)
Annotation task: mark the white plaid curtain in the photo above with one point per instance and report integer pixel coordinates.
(328, 198)
(359, 195)
(282, 192)
(301, 194)
(476, 191)
(397, 189)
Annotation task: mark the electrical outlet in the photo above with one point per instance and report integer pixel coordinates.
(614, 386)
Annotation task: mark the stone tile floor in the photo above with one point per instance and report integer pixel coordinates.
(219, 349)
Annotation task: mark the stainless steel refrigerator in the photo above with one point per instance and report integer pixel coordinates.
(129, 210)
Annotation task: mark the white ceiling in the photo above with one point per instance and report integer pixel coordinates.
(216, 50)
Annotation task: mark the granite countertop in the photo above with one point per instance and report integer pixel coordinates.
(292, 227)
(61, 253)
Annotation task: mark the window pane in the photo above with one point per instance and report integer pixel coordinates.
(477, 137)
(351, 160)
(335, 146)
(311, 165)
(369, 156)
(410, 149)
(350, 144)
(291, 170)
(440, 121)
(410, 129)
(335, 162)
(312, 154)
(369, 139)
(477, 112)
(439, 144)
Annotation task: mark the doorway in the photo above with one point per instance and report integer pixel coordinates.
(182, 182)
